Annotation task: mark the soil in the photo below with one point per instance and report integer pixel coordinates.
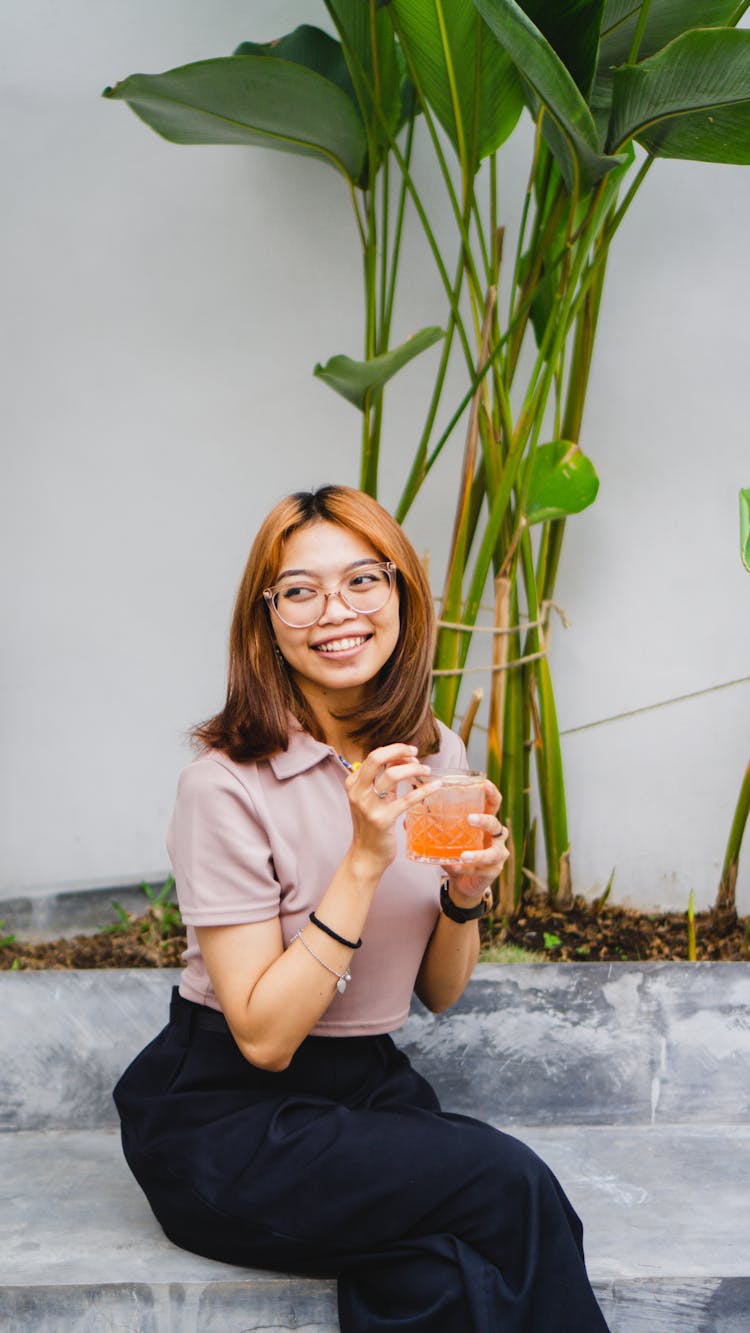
(582, 932)
(585, 933)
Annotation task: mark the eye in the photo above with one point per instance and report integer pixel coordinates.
(367, 578)
(297, 592)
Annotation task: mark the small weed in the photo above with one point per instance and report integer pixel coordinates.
(166, 914)
(157, 924)
(5, 939)
(599, 902)
(691, 928)
(123, 922)
(583, 950)
(551, 941)
(510, 953)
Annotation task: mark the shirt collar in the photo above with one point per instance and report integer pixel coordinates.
(302, 753)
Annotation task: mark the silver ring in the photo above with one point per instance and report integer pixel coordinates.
(381, 795)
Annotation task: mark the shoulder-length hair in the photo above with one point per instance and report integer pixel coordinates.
(261, 691)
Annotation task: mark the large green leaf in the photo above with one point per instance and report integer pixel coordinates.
(745, 527)
(691, 100)
(666, 20)
(370, 71)
(572, 30)
(310, 47)
(450, 49)
(360, 382)
(251, 100)
(563, 481)
(567, 122)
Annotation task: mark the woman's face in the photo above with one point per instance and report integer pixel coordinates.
(344, 649)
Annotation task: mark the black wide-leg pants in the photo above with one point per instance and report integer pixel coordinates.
(344, 1165)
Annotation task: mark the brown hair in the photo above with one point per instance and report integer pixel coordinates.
(254, 722)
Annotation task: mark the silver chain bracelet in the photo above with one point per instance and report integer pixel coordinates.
(343, 977)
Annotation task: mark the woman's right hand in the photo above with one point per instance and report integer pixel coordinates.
(376, 805)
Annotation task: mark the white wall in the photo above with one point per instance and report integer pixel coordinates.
(163, 308)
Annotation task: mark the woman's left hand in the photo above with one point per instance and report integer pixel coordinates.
(474, 873)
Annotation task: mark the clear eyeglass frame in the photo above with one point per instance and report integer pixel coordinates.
(271, 595)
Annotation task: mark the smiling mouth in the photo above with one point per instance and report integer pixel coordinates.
(346, 645)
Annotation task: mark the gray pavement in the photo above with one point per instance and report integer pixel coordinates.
(632, 1081)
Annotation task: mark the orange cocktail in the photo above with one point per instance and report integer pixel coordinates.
(438, 829)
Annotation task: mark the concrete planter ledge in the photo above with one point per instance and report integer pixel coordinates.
(631, 1080)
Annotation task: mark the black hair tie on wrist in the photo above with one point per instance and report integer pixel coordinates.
(327, 931)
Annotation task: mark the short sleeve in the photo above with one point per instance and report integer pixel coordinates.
(219, 850)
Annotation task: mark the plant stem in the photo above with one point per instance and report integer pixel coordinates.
(355, 65)
(449, 647)
(382, 340)
(511, 780)
(396, 251)
(639, 30)
(458, 213)
(547, 748)
(725, 898)
(691, 951)
(455, 102)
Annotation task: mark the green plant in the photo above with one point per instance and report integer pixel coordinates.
(510, 953)
(164, 911)
(5, 939)
(610, 85)
(691, 953)
(124, 920)
(551, 941)
(726, 897)
(157, 923)
(600, 902)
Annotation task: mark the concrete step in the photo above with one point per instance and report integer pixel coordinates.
(80, 1249)
(632, 1081)
(590, 1043)
(268, 1303)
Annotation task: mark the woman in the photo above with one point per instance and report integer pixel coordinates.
(273, 1123)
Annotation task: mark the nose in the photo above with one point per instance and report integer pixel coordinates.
(341, 612)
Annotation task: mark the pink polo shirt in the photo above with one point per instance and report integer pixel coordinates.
(252, 841)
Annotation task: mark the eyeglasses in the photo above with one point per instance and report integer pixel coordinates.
(366, 590)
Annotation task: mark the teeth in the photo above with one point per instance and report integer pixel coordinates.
(340, 645)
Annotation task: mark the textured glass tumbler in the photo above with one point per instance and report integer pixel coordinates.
(438, 829)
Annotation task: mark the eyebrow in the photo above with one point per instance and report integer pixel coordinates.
(311, 573)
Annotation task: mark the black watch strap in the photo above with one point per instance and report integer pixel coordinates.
(463, 914)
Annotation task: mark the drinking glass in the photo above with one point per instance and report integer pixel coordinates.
(438, 830)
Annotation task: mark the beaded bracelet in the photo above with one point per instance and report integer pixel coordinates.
(327, 931)
(343, 977)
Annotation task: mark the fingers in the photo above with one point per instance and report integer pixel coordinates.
(492, 798)
(489, 824)
(387, 781)
(495, 853)
(384, 755)
(382, 772)
(383, 769)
